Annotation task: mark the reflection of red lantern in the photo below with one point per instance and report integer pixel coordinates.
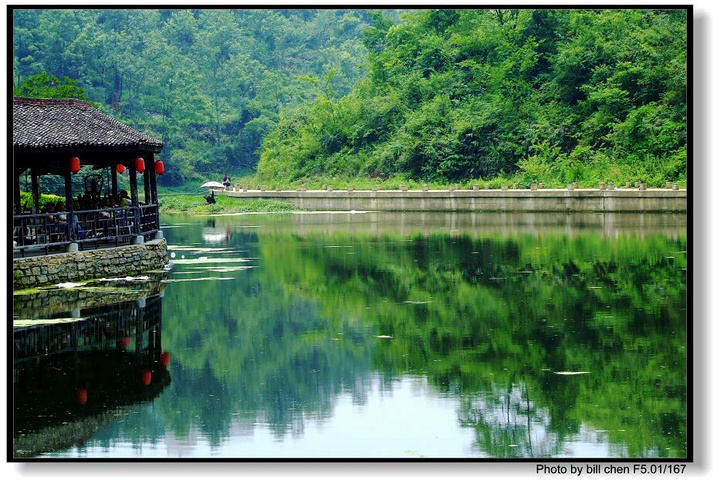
(165, 359)
(140, 164)
(81, 396)
(120, 168)
(126, 341)
(74, 164)
(159, 167)
(146, 376)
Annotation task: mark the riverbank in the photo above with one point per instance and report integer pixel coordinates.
(195, 204)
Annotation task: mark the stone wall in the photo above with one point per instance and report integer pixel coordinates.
(89, 264)
(545, 200)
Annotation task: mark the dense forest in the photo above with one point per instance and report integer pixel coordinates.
(209, 83)
(555, 96)
(532, 95)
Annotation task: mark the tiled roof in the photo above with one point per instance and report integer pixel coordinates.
(68, 123)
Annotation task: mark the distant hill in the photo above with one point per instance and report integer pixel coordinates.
(210, 83)
(554, 96)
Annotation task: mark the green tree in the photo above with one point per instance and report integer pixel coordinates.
(43, 85)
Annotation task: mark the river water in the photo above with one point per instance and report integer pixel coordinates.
(368, 335)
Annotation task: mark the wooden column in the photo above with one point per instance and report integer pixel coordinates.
(149, 167)
(69, 205)
(113, 181)
(153, 183)
(133, 183)
(134, 198)
(16, 192)
(35, 185)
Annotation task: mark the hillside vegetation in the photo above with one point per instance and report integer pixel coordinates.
(285, 97)
(209, 82)
(553, 96)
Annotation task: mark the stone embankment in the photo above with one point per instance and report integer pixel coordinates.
(606, 198)
(89, 264)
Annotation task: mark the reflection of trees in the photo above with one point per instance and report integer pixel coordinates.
(254, 359)
(474, 313)
(489, 319)
(509, 425)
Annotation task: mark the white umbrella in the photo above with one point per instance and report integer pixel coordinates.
(212, 185)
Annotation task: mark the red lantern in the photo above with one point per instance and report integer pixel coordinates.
(126, 341)
(146, 376)
(140, 164)
(74, 164)
(165, 359)
(159, 167)
(120, 168)
(81, 396)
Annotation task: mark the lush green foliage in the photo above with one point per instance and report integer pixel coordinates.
(43, 85)
(196, 205)
(446, 96)
(553, 96)
(27, 203)
(209, 83)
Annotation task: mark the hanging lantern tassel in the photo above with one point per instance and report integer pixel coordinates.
(140, 164)
(159, 167)
(74, 164)
(120, 168)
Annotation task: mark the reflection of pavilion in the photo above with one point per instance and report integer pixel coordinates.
(77, 371)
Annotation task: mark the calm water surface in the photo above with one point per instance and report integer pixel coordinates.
(368, 335)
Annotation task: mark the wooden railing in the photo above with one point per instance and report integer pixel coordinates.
(50, 232)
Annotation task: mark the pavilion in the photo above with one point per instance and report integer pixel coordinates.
(88, 149)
